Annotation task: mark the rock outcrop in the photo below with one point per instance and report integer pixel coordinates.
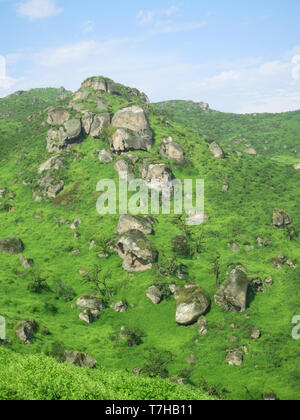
(50, 186)
(54, 163)
(26, 262)
(57, 116)
(234, 357)
(89, 316)
(120, 306)
(137, 252)
(66, 135)
(95, 124)
(11, 246)
(217, 150)
(79, 359)
(191, 303)
(232, 295)
(128, 222)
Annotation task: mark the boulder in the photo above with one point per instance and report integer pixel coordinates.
(255, 334)
(26, 330)
(125, 170)
(172, 150)
(128, 222)
(281, 219)
(196, 219)
(96, 83)
(11, 246)
(155, 295)
(120, 307)
(232, 295)
(217, 150)
(26, 262)
(137, 252)
(54, 163)
(89, 316)
(73, 128)
(66, 135)
(157, 175)
(51, 186)
(57, 116)
(105, 156)
(79, 359)
(297, 166)
(95, 124)
(234, 357)
(91, 302)
(124, 140)
(191, 303)
(251, 151)
(202, 326)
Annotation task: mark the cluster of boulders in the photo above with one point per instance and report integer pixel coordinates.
(92, 305)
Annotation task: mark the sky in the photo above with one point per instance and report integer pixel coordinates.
(238, 56)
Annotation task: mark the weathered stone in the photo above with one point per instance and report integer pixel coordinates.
(234, 357)
(124, 140)
(3, 192)
(216, 150)
(75, 223)
(99, 124)
(191, 303)
(269, 281)
(26, 262)
(172, 150)
(251, 151)
(90, 302)
(96, 83)
(125, 170)
(54, 163)
(196, 219)
(136, 250)
(105, 156)
(232, 295)
(11, 246)
(128, 222)
(202, 326)
(89, 316)
(119, 307)
(154, 294)
(258, 285)
(297, 166)
(73, 129)
(157, 175)
(25, 331)
(281, 219)
(57, 116)
(79, 359)
(255, 334)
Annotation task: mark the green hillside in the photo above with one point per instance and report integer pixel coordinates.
(154, 342)
(272, 135)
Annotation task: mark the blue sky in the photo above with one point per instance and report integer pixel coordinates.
(239, 56)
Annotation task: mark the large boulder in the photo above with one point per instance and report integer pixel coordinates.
(125, 170)
(137, 252)
(136, 133)
(11, 246)
(91, 302)
(217, 150)
(232, 295)
(57, 116)
(281, 219)
(95, 124)
(79, 359)
(66, 135)
(54, 163)
(191, 303)
(26, 330)
(96, 83)
(172, 150)
(128, 222)
(73, 128)
(157, 175)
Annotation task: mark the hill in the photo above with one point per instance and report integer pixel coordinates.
(53, 211)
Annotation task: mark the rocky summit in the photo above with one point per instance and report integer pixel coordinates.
(156, 298)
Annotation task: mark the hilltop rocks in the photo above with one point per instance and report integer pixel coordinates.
(217, 150)
(157, 175)
(79, 359)
(155, 295)
(90, 302)
(172, 150)
(26, 262)
(137, 252)
(232, 295)
(57, 116)
(133, 131)
(26, 331)
(12, 246)
(297, 166)
(94, 125)
(105, 156)
(192, 302)
(54, 163)
(128, 222)
(125, 170)
(281, 219)
(96, 83)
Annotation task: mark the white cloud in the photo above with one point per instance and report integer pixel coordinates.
(6, 82)
(146, 17)
(38, 9)
(88, 26)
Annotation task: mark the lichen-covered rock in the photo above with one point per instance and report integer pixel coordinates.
(128, 222)
(11, 246)
(232, 295)
(137, 252)
(54, 163)
(26, 330)
(79, 359)
(120, 307)
(191, 303)
(172, 150)
(281, 218)
(57, 116)
(91, 302)
(217, 150)
(154, 294)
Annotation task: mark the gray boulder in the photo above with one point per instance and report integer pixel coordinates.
(120, 307)
(281, 219)
(11, 246)
(297, 166)
(124, 140)
(172, 150)
(137, 252)
(105, 156)
(96, 83)
(128, 222)
(234, 357)
(73, 129)
(57, 116)
(232, 295)
(26, 262)
(125, 169)
(90, 302)
(95, 124)
(50, 186)
(54, 163)
(217, 150)
(79, 359)
(89, 316)
(155, 295)
(191, 303)
(157, 175)
(26, 330)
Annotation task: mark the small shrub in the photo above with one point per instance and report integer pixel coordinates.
(64, 291)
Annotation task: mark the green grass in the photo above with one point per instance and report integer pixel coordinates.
(257, 186)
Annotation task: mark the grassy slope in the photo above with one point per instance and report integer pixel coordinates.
(241, 215)
(43, 378)
(272, 135)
